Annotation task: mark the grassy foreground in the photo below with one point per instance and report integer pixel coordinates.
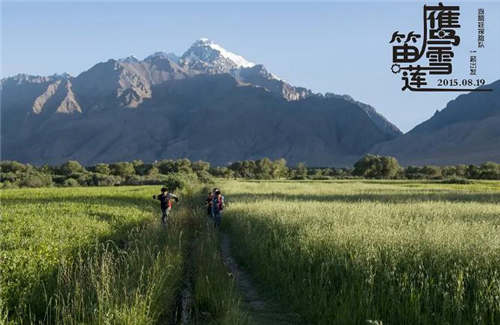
(86, 255)
(101, 256)
(350, 252)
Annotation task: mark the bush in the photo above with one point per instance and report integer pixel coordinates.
(179, 181)
(319, 177)
(433, 172)
(35, 180)
(70, 182)
(105, 180)
(8, 177)
(7, 185)
(456, 180)
(134, 180)
(204, 176)
(223, 172)
(85, 179)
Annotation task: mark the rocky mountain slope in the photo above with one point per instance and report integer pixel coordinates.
(466, 131)
(207, 104)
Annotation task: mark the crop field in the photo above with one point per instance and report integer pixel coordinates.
(330, 252)
(358, 252)
(101, 256)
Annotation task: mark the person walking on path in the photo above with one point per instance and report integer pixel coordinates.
(165, 199)
(212, 209)
(217, 207)
(209, 199)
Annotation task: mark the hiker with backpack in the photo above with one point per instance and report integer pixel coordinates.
(165, 199)
(217, 207)
(208, 201)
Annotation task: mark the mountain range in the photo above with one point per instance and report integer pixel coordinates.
(214, 105)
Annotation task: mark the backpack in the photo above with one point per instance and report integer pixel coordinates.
(218, 203)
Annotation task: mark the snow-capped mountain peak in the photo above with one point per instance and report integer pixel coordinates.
(237, 59)
(207, 54)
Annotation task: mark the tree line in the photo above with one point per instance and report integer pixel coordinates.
(175, 173)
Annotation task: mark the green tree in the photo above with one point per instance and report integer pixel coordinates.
(279, 169)
(153, 171)
(122, 169)
(301, 171)
(199, 166)
(449, 171)
(431, 171)
(166, 166)
(35, 180)
(102, 169)
(263, 168)
(12, 166)
(71, 167)
(490, 170)
(473, 172)
(374, 166)
(184, 166)
(224, 172)
(461, 170)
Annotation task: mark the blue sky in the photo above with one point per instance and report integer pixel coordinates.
(339, 47)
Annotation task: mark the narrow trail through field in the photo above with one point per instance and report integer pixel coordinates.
(261, 310)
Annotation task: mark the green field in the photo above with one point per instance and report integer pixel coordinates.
(335, 252)
(101, 256)
(350, 251)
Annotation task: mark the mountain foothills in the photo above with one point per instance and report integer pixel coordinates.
(213, 105)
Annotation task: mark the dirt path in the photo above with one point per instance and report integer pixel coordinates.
(260, 309)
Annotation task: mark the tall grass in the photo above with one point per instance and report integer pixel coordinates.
(352, 252)
(88, 255)
(216, 299)
(101, 256)
(135, 284)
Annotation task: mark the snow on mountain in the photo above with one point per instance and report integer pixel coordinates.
(237, 59)
(208, 57)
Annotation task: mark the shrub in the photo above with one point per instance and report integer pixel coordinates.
(179, 181)
(105, 180)
(204, 176)
(431, 171)
(7, 185)
(319, 177)
(70, 182)
(36, 180)
(8, 177)
(85, 179)
(456, 180)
